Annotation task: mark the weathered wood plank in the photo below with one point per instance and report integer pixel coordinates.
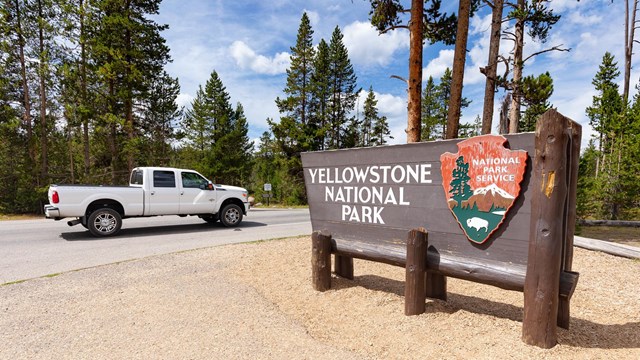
(631, 252)
(609, 223)
(505, 276)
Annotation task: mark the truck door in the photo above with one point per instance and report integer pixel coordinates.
(164, 196)
(195, 198)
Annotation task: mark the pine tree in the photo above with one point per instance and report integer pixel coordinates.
(342, 79)
(536, 92)
(606, 106)
(129, 50)
(207, 126)
(321, 93)
(615, 174)
(292, 132)
(471, 129)
(370, 117)
(234, 151)
(160, 115)
(431, 113)
(436, 107)
(381, 131)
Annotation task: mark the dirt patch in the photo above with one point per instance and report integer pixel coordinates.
(255, 301)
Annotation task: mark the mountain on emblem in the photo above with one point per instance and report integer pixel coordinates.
(481, 182)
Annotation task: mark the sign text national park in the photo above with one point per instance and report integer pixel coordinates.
(364, 191)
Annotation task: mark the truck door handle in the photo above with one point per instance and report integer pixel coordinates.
(153, 193)
(181, 192)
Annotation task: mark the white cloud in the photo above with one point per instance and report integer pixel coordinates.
(366, 47)
(184, 99)
(437, 66)
(563, 5)
(314, 17)
(583, 19)
(246, 58)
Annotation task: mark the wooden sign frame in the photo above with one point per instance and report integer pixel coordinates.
(386, 204)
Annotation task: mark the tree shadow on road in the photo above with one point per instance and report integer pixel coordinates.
(85, 235)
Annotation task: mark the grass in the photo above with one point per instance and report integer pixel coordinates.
(19, 217)
(279, 206)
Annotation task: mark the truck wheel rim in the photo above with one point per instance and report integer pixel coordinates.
(105, 223)
(232, 216)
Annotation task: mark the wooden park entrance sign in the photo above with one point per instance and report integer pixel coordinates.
(470, 209)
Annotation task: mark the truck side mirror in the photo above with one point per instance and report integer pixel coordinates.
(209, 185)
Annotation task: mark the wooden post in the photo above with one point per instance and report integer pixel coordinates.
(321, 260)
(573, 160)
(416, 270)
(344, 266)
(542, 281)
(436, 286)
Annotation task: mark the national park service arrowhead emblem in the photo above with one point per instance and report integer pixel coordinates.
(481, 182)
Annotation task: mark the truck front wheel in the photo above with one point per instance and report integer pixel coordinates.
(231, 215)
(104, 222)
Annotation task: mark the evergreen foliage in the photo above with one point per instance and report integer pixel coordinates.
(435, 107)
(536, 92)
(217, 144)
(374, 129)
(608, 181)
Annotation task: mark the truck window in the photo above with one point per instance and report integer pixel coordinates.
(164, 179)
(136, 177)
(193, 180)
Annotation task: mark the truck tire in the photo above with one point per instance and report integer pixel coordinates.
(231, 215)
(104, 222)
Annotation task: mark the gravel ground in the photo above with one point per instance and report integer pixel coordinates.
(255, 301)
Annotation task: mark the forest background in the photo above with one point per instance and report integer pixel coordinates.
(86, 95)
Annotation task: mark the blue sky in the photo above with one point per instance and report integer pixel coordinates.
(248, 43)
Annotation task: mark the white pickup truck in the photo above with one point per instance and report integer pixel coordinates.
(152, 191)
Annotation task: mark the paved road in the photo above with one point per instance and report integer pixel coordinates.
(34, 248)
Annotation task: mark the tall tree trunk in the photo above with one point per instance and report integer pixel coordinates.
(492, 66)
(503, 127)
(516, 96)
(415, 71)
(129, 99)
(26, 118)
(83, 92)
(629, 33)
(44, 167)
(112, 137)
(459, 57)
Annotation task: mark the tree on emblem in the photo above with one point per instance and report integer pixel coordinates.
(460, 189)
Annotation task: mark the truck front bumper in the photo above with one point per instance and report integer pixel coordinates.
(51, 212)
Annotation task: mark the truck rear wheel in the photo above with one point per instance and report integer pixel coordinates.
(104, 222)
(231, 215)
